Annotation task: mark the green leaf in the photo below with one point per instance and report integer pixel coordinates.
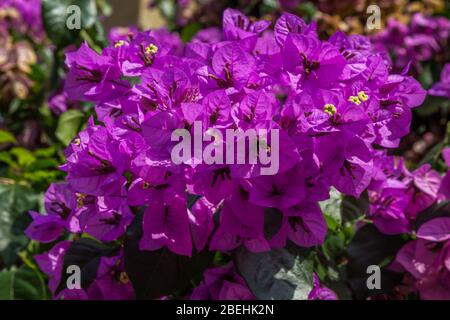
(98, 35)
(279, 274)
(331, 208)
(15, 200)
(268, 6)
(154, 274)
(105, 8)
(6, 137)
(334, 245)
(6, 283)
(432, 155)
(307, 9)
(353, 209)
(41, 179)
(192, 199)
(431, 106)
(437, 210)
(45, 152)
(46, 163)
(132, 80)
(14, 106)
(332, 224)
(6, 158)
(68, 125)
(18, 240)
(189, 31)
(426, 77)
(54, 14)
(22, 284)
(273, 220)
(38, 75)
(24, 156)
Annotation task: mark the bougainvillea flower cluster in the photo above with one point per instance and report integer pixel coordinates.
(426, 260)
(397, 195)
(424, 38)
(401, 202)
(335, 104)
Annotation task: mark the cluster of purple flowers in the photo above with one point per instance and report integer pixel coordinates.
(423, 39)
(427, 260)
(399, 199)
(397, 195)
(111, 282)
(333, 103)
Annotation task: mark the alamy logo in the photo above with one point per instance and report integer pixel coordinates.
(239, 146)
(374, 280)
(73, 21)
(374, 20)
(74, 279)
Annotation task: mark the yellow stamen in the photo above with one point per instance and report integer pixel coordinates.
(329, 108)
(119, 43)
(355, 100)
(151, 49)
(77, 141)
(363, 96)
(124, 278)
(80, 200)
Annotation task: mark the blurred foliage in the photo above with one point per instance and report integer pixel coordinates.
(22, 283)
(33, 135)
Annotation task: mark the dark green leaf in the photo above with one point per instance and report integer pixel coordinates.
(6, 158)
(307, 9)
(22, 284)
(158, 273)
(41, 164)
(438, 210)
(188, 32)
(433, 154)
(6, 283)
(426, 77)
(17, 241)
(84, 253)
(68, 125)
(334, 245)
(352, 208)
(54, 14)
(273, 219)
(192, 199)
(279, 274)
(15, 201)
(45, 152)
(370, 247)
